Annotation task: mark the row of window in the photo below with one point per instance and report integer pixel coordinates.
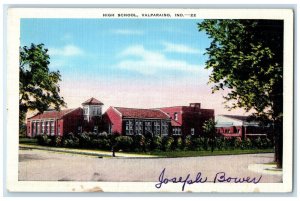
(228, 131)
(46, 127)
(157, 129)
(95, 110)
(177, 131)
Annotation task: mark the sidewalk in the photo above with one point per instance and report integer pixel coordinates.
(86, 152)
(270, 169)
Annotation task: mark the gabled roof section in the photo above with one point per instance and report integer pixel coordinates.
(52, 114)
(92, 101)
(142, 113)
(237, 117)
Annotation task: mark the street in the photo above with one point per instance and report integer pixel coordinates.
(40, 165)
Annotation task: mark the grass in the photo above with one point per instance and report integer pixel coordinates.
(174, 154)
(31, 141)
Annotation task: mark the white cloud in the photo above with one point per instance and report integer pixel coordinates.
(150, 62)
(68, 50)
(179, 48)
(128, 32)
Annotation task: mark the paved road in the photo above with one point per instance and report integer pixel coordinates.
(39, 165)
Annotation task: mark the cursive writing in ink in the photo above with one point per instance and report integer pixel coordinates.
(222, 178)
(184, 181)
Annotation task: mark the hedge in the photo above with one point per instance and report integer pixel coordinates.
(141, 143)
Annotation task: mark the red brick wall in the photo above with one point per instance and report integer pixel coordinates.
(28, 125)
(72, 121)
(190, 117)
(112, 117)
(60, 124)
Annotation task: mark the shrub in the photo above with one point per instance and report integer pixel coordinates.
(204, 143)
(156, 143)
(187, 143)
(196, 144)
(43, 139)
(246, 144)
(84, 140)
(220, 143)
(138, 143)
(167, 143)
(179, 144)
(124, 143)
(70, 140)
(257, 143)
(99, 143)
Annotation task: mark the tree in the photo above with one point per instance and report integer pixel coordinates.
(209, 129)
(246, 58)
(38, 86)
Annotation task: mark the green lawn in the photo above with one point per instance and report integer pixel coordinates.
(31, 141)
(208, 153)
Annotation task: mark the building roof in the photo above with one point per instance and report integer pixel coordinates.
(175, 123)
(92, 101)
(52, 114)
(142, 113)
(237, 117)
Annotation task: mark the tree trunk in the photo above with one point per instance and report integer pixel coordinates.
(278, 140)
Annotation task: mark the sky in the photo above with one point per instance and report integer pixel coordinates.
(136, 63)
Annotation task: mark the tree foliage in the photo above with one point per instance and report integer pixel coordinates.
(209, 128)
(246, 59)
(38, 86)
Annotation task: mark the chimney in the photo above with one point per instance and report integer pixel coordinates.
(196, 105)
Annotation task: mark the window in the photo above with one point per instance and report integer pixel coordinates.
(138, 128)
(37, 128)
(47, 127)
(192, 131)
(164, 128)
(176, 131)
(157, 128)
(43, 127)
(148, 127)
(98, 111)
(176, 116)
(129, 127)
(52, 127)
(110, 128)
(85, 111)
(96, 129)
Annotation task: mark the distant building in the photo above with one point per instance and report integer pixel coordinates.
(177, 120)
(76, 120)
(238, 126)
(188, 120)
(133, 121)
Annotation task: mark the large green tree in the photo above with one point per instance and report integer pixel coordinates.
(38, 86)
(246, 59)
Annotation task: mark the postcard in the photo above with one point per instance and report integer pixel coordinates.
(149, 100)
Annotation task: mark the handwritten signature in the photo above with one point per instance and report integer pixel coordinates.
(220, 177)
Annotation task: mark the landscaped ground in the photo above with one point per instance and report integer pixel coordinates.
(41, 165)
(32, 142)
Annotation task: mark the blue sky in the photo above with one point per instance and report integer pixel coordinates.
(126, 62)
(106, 46)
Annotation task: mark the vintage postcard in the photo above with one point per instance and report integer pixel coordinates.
(149, 100)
